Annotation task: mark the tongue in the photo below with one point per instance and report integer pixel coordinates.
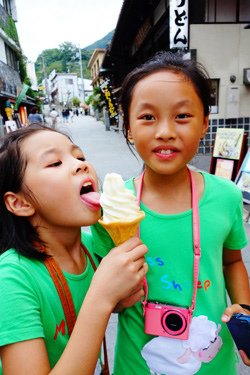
(92, 199)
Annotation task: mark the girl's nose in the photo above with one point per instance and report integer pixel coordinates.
(82, 166)
(165, 130)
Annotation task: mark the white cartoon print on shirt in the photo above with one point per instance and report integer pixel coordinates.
(184, 357)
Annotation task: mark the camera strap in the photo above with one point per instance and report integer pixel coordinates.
(196, 239)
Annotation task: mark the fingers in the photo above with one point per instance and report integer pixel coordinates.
(129, 301)
(129, 245)
(244, 358)
(230, 311)
(133, 248)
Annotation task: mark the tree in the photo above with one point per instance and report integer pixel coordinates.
(76, 102)
(96, 100)
(68, 53)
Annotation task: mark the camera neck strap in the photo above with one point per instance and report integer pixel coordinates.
(196, 238)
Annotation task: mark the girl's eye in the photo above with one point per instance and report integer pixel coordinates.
(183, 116)
(82, 158)
(56, 164)
(147, 117)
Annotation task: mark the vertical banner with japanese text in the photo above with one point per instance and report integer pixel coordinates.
(178, 24)
(109, 99)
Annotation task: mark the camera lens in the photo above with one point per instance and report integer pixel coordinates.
(174, 323)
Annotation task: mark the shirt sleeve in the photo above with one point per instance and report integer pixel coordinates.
(20, 317)
(237, 238)
(102, 242)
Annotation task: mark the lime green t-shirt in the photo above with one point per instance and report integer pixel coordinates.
(209, 348)
(30, 306)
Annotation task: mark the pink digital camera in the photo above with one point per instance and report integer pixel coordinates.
(166, 320)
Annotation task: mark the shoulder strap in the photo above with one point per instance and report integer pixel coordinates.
(67, 301)
(63, 292)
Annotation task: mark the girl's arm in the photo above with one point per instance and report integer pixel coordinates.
(237, 285)
(236, 277)
(118, 275)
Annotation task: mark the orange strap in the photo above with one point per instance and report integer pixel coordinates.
(67, 301)
(63, 292)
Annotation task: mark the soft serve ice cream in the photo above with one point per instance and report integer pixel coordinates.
(121, 213)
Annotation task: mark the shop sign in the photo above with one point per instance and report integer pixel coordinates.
(109, 98)
(178, 23)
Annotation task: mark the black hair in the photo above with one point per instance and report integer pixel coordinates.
(170, 61)
(34, 110)
(16, 231)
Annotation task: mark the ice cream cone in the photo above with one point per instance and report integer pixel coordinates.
(121, 231)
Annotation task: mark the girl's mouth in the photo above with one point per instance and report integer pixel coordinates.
(87, 188)
(89, 196)
(166, 153)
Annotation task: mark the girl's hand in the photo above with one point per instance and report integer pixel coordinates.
(120, 274)
(130, 300)
(231, 310)
(244, 358)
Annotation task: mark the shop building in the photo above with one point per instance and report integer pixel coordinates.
(10, 55)
(215, 32)
(95, 64)
(63, 87)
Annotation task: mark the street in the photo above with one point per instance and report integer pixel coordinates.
(108, 152)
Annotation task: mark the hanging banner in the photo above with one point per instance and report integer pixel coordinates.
(109, 98)
(178, 24)
(21, 96)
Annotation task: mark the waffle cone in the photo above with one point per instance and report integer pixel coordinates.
(121, 231)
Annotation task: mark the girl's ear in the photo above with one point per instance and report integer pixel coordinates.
(205, 126)
(18, 205)
(130, 137)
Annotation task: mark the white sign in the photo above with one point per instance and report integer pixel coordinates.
(178, 23)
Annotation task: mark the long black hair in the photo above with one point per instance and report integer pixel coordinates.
(170, 61)
(16, 231)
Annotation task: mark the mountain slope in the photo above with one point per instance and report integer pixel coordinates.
(101, 43)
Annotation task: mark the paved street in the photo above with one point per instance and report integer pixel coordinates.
(108, 152)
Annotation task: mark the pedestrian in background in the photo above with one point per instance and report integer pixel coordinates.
(71, 115)
(34, 116)
(65, 115)
(47, 196)
(53, 116)
(180, 328)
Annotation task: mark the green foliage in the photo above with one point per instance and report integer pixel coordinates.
(50, 57)
(68, 54)
(66, 58)
(96, 100)
(76, 102)
(22, 67)
(10, 29)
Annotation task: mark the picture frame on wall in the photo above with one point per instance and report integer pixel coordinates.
(228, 143)
(224, 168)
(243, 178)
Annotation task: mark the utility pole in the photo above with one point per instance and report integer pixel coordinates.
(46, 82)
(82, 81)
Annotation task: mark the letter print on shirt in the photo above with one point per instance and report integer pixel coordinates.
(60, 328)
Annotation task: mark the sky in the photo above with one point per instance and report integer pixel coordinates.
(46, 24)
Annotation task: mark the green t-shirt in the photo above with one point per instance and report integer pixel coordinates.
(30, 306)
(209, 349)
